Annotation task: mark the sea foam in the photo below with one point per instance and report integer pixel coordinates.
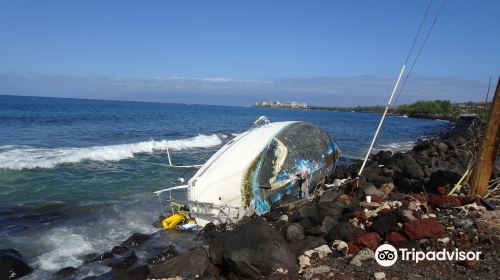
(25, 157)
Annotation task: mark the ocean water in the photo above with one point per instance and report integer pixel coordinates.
(77, 176)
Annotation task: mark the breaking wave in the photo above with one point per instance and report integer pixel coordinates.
(25, 157)
(396, 147)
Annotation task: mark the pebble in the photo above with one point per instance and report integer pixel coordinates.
(379, 275)
(444, 240)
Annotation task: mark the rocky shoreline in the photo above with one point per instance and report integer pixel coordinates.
(335, 234)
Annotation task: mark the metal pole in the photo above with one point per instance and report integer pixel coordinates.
(169, 160)
(382, 120)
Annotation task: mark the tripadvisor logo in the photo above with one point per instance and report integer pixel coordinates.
(387, 255)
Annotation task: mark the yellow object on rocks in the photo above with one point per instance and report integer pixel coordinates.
(172, 221)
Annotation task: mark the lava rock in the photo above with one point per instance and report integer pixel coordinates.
(294, 232)
(119, 250)
(441, 178)
(13, 265)
(331, 209)
(190, 265)
(328, 223)
(410, 166)
(96, 258)
(370, 189)
(444, 201)
(385, 223)
(309, 211)
(423, 228)
(308, 243)
(252, 250)
(383, 157)
(125, 261)
(165, 255)
(66, 272)
(395, 238)
(370, 240)
(330, 196)
(140, 272)
(136, 239)
(340, 231)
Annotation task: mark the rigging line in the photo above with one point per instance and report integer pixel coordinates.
(487, 96)
(419, 52)
(418, 32)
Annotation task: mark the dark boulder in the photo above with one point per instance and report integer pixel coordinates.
(308, 243)
(194, 264)
(125, 261)
(96, 258)
(410, 167)
(164, 255)
(380, 180)
(330, 196)
(332, 209)
(140, 272)
(119, 250)
(424, 160)
(383, 157)
(136, 239)
(309, 211)
(294, 232)
(252, 250)
(443, 178)
(66, 272)
(340, 231)
(384, 224)
(12, 265)
(421, 145)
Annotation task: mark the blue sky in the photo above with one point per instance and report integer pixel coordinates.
(238, 52)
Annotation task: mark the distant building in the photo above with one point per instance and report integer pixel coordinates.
(277, 104)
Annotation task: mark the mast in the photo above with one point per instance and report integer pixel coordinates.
(382, 120)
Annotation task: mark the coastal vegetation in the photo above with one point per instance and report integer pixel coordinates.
(421, 108)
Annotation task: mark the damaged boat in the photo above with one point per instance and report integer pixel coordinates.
(271, 165)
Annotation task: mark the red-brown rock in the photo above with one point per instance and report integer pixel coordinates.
(360, 215)
(370, 240)
(355, 234)
(353, 248)
(441, 190)
(395, 237)
(419, 197)
(444, 201)
(423, 228)
(385, 211)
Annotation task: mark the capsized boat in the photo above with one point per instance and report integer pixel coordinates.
(270, 165)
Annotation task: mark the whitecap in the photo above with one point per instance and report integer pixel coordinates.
(396, 146)
(25, 157)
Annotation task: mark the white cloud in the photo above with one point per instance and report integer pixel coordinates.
(336, 91)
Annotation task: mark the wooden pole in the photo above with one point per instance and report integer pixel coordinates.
(481, 174)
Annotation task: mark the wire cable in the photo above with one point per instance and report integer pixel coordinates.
(419, 52)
